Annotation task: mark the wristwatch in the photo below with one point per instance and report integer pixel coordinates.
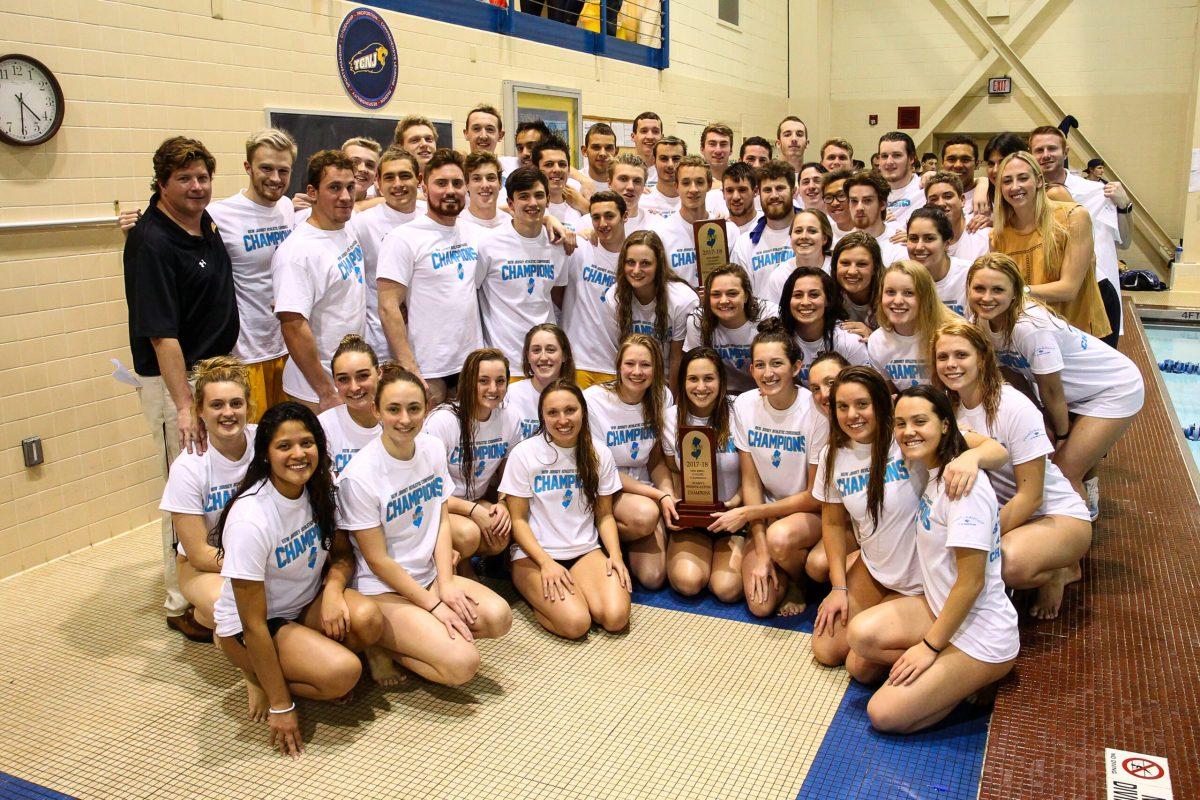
(1127, 209)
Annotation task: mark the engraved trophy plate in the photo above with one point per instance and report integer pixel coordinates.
(712, 248)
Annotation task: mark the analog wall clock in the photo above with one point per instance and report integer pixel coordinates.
(31, 101)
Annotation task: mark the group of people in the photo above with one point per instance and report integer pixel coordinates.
(426, 358)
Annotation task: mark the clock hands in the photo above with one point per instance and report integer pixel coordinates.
(21, 108)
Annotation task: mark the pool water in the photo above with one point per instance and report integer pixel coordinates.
(1179, 343)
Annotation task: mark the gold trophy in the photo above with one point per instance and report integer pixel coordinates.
(698, 476)
(712, 248)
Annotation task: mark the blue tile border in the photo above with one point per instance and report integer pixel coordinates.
(705, 603)
(14, 788)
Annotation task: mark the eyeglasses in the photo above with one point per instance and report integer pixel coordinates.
(840, 197)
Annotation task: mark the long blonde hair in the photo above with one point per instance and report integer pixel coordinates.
(1006, 322)
(990, 379)
(1054, 235)
(931, 311)
(655, 398)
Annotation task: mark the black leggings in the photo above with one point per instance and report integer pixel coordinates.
(1112, 310)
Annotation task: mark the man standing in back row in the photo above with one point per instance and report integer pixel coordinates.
(897, 156)
(180, 291)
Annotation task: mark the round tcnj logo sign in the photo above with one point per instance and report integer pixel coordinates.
(366, 54)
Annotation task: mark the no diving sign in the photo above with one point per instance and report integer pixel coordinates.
(1136, 776)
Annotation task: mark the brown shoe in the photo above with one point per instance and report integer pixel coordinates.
(186, 624)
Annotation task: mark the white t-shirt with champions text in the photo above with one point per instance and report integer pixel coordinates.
(370, 227)
(437, 264)
(252, 233)
(952, 288)
(728, 462)
(777, 440)
(679, 242)
(493, 438)
(201, 484)
(733, 344)
(905, 200)
(318, 274)
(404, 498)
(622, 429)
(889, 548)
(989, 632)
(773, 290)
(515, 278)
(344, 437)
(273, 540)
(772, 255)
(681, 302)
(849, 345)
(522, 402)
(901, 359)
(591, 272)
(563, 524)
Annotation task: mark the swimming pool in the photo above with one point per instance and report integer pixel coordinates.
(1179, 343)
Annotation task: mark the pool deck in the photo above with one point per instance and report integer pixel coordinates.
(1118, 668)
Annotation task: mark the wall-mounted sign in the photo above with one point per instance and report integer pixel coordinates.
(1000, 85)
(366, 55)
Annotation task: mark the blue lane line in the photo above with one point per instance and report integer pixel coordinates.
(854, 761)
(13, 788)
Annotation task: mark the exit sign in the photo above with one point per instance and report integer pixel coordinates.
(1000, 85)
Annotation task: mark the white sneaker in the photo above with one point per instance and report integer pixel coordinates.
(1092, 487)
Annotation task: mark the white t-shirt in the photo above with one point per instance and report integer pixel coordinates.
(502, 218)
(345, 437)
(1106, 231)
(732, 343)
(969, 201)
(515, 277)
(773, 290)
(729, 472)
(1097, 380)
(493, 439)
(989, 632)
(849, 345)
(970, 246)
(251, 234)
(658, 204)
(772, 255)
(437, 263)
(405, 498)
(319, 275)
(641, 221)
(591, 271)
(571, 219)
(651, 177)
(274, 540)
(889, 549)
(1020, 428)
(952, 289)
(507, 165)
(905, 200)
(522, 402)
(715, 199)
(681, 301)
(778, 441)
(679, 241)
(901, 359)
(622, 430)
(202, 484)
(891, 251)
(370, 227)
(562, 522)
(745, 228)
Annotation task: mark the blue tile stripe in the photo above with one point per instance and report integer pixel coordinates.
(13, 788)
(854, 761)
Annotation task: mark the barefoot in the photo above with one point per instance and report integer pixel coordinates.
(793, 601)
(256, 698)
(383, 667)
(1050, 595)
(1074, 573)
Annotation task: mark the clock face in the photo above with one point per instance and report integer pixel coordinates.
(31, 102)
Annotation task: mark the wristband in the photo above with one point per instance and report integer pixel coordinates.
(838, 589)
(472, 511)
(435, 605)
(665, 495)
(931, 647)
(287, 710)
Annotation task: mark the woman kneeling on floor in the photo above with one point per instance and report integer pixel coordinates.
(274, 621)
(395, 499)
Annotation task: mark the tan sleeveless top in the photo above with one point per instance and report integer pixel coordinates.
(1086, 310)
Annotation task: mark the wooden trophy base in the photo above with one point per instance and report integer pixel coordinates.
(697, 515)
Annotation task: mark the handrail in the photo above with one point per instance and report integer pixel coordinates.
(55, 224)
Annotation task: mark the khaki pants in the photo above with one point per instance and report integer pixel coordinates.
(159, 411)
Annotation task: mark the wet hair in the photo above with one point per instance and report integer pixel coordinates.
(881, 404)
(655, 398)
(177, 153)
(587, 461)
(756, 141)
(567, 373)
(941, 222)
(466, 405)
(741, 171)
(931, 311)
(952, 444)
(320, 486)
(391, 372)
(772, 331)
(868, 242)
(962, 138)
(822, 222)
(835, 312)
(708, 320)
(608, 196)
(551, 142)
(623, 291)
(523, 179)
(353, 343)
(990, 379)
(777, 169)
(220, 369)
(719, 419)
